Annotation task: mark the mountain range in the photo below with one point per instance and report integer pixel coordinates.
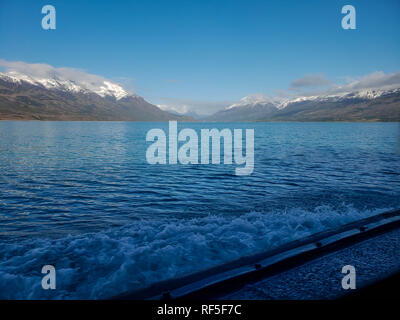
(24, 97)
(362, 105)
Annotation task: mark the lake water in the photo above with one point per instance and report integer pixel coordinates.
(81, 196)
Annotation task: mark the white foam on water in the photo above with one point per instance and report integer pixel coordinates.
(107, 263)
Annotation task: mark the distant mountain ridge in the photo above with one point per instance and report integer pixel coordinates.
(362, 105)
(24, 97)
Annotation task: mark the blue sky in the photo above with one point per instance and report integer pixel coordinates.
(204, 52)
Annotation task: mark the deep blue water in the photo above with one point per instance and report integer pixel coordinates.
(81, 196)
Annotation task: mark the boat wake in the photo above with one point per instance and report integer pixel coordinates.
(107, 263)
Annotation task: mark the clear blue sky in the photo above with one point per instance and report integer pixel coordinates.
(205, 50)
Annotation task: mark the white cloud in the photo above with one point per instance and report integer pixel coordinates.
(375, 81)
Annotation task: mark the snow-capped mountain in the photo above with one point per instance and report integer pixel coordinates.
(103, 88)
(253, 100)
(366, 94)
(366, 104)
(280, 103)
(250, 108)
(57, 98)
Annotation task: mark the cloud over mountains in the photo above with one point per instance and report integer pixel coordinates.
(376, 80)
(308, 85)
(84, 79)
(305, 86)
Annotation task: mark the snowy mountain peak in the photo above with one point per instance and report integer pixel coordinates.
(366, 94)
(281, 103)
(112, 89)
(252, 100)
(98, 86)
